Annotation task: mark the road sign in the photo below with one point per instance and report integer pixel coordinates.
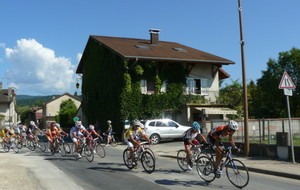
(288, 92)
(286, 82)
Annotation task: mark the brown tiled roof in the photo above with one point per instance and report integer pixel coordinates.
(142, 49)
(223, 74)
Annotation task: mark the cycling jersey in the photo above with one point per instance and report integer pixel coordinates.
(91, 131)
(77, 131)
(30, 129)
(53, 131)
(189, 134)
(133, 133)
(218, 132)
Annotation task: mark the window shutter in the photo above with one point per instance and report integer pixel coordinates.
(164, 87)
(204, 86)
(143, 84)
(190, 83)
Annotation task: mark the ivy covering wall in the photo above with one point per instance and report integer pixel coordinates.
(111, 88)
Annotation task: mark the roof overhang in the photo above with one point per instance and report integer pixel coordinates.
(216, 111)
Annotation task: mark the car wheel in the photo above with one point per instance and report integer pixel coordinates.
(155, 138)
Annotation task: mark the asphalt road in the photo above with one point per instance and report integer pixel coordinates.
(111, 173)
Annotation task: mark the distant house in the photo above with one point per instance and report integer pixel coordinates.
(51, 108)
(8, 112)
(112, 65)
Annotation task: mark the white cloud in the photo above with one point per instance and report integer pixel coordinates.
(37, 70)
(79, 55)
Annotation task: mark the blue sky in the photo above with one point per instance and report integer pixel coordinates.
(41, 41)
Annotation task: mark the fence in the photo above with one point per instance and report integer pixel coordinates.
(261, 130)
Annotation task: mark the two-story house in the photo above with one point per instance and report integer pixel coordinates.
(8, 113)
(111, 66)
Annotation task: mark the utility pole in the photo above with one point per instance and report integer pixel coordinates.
(245, 99)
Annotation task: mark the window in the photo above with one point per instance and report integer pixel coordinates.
(197, 86)
(148, 86)
(152, 123)
(172, 124)
(160, 124)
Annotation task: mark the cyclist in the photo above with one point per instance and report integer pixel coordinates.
(109, 133)
(8, 133)
(51, 133)
(31, 129)
(132, 138)
(76, 133)
(189, 138)
(214, 138)
(91, 131)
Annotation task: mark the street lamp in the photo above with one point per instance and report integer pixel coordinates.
(245, 99)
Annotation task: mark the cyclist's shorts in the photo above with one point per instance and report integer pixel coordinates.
(74, 139)
(186, 142)
(129, 144)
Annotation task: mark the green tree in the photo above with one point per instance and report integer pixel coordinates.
(269, 101)
(66, 113)
(24, 111)
(232, 96)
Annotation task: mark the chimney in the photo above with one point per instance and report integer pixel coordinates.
(0, 85)
(154, 33)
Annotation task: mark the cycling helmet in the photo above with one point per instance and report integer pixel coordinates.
(91, 127)
(137, 123)
(196, 125)
(52, 124)
(32, 123)
(233, 125)
(7, 127)
(109, 121)
(57, 125)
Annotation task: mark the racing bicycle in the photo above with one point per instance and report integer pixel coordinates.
(142, 154)
(236, 172)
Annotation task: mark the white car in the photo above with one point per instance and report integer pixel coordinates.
(158, 129)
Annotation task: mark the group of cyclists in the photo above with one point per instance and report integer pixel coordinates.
(132, 137)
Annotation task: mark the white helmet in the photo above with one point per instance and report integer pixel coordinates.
(32, 123)
(7, 127)
(138, 123)
(91, 127)
(233, 125)
(109, 121)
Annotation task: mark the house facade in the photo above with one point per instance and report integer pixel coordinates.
(8, 113)
(120, 76)
(50, 109)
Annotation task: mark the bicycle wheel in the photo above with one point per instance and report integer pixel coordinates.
(31, 145)
(67, 147)
(149, 150)
(100, 150)
(206, 169)
(42, 146)
(6, 146)
(89, 153)
(18, 143)
(148, 162)
(237, 173)
(181, 160)
(126, 158)
(114, 141)
(62, 150)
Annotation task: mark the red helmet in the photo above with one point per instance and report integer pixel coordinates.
(52, 124)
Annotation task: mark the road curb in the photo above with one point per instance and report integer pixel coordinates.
(256, 170)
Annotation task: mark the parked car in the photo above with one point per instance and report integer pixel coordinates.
(158, 129)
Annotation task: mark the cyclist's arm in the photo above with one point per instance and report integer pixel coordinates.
(146, 137)
(203, 138)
